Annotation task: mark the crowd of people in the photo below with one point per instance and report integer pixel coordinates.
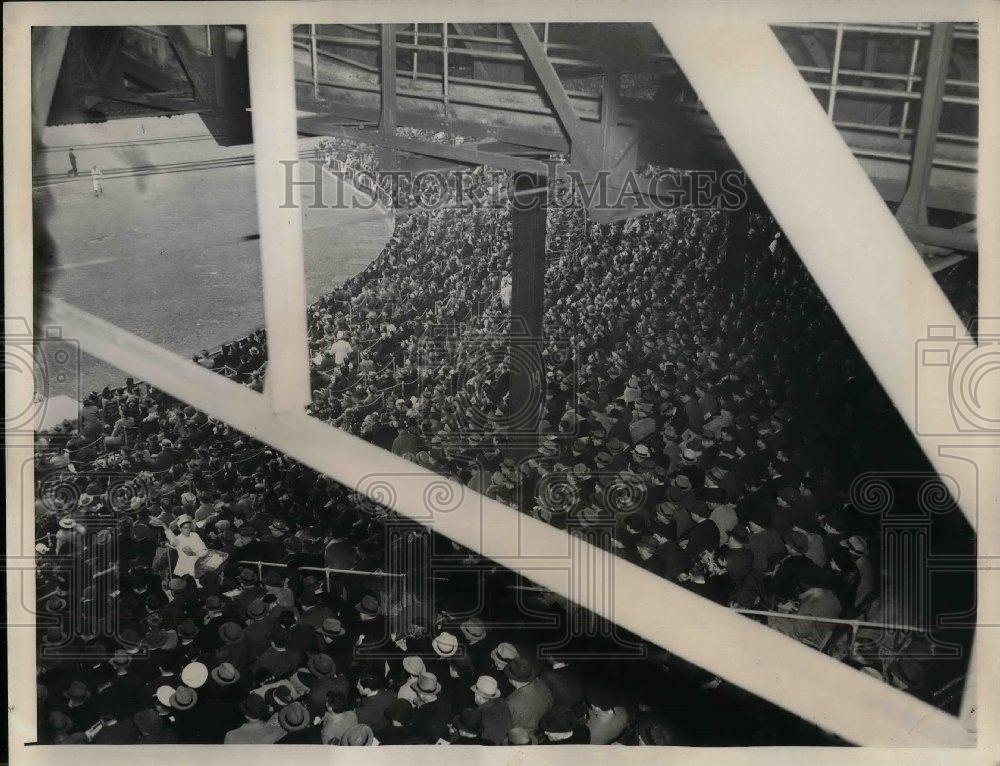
(699, 416)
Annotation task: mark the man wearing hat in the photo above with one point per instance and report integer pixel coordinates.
(445, 646)
(502, 654)
(531, 698)
(250, 590)
(255, 729)
(126, 689)
(335, 642)
(109, 730)
(152, 730)
(259, 627)
(297, 723)
(559, 727)
(79, 707)
(370, 627)
(433, 713)
(474, 632)
(495, 712)
(606, 718)
(466, 728)
(315, 681)
(359, 735)
(188, 544)
(414, 667)
(398, 732)
(187, 717)
(234, 649)
(219, 700)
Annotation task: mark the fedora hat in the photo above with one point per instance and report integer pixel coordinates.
(503, 653)
(230, 632)
(445, 644)
(519, 669)
(256, 609)
(414, 665)
(332, 627)
(59, 722)
(187, 629)
(225, 675)
(120, 658)
(293, 717)
(486, 686)
(194, 675)
(148, 722)
(67, 522)
(321, 665)
(427, 683)
(473, 629)
(856, 544)
(164, 694)
(559, 720)
(358, 735)
(183, 698)
(470, 720)
(368, 606)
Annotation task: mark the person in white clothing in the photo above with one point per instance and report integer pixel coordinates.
(341, 348)
(188, 544)
(95, 178)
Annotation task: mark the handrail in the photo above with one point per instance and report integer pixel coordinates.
(832, 620)
(328, 570)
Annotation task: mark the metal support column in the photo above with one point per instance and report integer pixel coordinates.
(609, 111)
(835, 70)
(527, 371)
(913, 207)
(910, 76)
(387, 115)
(312, 60)
(444, 64)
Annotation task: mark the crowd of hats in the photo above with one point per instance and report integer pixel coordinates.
(698, 408)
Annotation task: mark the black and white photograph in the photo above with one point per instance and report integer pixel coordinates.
(378, 379)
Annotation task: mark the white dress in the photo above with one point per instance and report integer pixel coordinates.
(186, 561)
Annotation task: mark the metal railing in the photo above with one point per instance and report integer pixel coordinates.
(440, 40)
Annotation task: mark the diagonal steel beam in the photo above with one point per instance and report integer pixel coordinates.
(193, 63)
(48, 45)
(581, 148)
(463, 154)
